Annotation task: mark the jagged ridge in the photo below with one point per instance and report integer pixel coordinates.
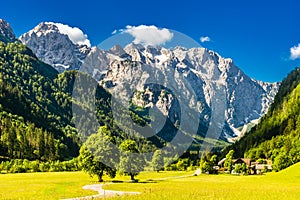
(246, 99)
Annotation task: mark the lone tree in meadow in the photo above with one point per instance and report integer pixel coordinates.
(98, 155)
(131, 161)
(157, 162)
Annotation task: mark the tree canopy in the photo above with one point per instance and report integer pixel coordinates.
(131, 160)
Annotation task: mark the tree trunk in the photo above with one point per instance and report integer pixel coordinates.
(132, 176)
(100, 176)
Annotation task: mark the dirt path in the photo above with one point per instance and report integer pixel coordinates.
(102, 192)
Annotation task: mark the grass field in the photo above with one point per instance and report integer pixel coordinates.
(52, 185)
(282, 185)
(154, 186)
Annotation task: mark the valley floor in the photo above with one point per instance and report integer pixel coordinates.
(152, 185)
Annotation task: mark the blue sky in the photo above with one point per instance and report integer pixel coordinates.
(257, 35)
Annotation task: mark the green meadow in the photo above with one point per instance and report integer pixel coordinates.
(282, 185)
(48, 185)
(155, 186)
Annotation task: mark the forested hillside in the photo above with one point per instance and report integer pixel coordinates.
(277, 136)
(34, 114)
(36, 119)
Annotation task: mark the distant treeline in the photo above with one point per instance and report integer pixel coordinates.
(24, 166)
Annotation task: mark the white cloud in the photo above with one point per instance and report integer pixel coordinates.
(75, 34)
(205, 39)
(149, 35)
(295, 52)
(114, 32)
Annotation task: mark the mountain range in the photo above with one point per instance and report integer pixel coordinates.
(245, 98)
(37, 81)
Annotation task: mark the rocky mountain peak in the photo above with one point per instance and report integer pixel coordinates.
(119, 51)
(45, 27)
(133, 46)
(54, 47)
(6, 31)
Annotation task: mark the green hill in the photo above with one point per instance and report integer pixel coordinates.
(36, 119)
(277, 136)
(292, 172)
(34, 114)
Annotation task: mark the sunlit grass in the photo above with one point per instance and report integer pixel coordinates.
(59, 185)
(150, 175)
(51, 185)
(283, 185)
(155, 186)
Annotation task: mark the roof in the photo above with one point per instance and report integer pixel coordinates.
(247, 161)
(221, 161)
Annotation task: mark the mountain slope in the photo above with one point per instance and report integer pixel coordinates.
(28, 90)
(36, 104)
(245, 99)
(277, 135)
(36, 108)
